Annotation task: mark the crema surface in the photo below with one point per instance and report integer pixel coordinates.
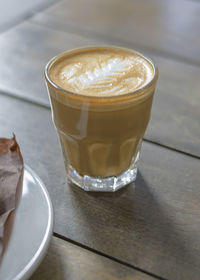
(102, 72)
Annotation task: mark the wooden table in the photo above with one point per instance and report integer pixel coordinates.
(150, 229)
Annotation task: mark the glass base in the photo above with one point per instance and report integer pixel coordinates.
(104, 184)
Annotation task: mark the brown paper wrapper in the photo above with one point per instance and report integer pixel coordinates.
(11, 179)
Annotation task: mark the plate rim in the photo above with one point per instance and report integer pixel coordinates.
(35, 261)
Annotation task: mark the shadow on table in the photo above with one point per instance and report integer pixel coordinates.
(136, 225)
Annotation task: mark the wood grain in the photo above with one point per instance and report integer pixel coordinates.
(167, 27)
(25, 50)
(15, 11)
(153, 224)
(176, 108)
(67, 261)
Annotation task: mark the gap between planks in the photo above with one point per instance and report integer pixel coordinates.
(107, 256)
(47, 107)
(116, 41)
(17, 21)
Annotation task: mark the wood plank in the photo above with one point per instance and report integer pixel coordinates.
(176, 107)
(14, 11)
(176, 110)
(153, 224)
(166, 27)
(25, 51)
(67, 261)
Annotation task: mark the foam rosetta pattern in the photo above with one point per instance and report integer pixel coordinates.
(103, 73)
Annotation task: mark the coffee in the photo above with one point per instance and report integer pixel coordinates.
(102, 72)
(101, 100)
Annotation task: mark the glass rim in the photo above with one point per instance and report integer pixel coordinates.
(74, 50)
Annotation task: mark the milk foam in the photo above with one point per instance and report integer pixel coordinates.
(102, 73)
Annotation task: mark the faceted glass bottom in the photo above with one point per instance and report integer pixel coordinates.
(104, 184)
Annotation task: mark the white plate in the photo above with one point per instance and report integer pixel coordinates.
(31, 232)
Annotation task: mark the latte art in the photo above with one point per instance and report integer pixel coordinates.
(102, 73)
(101, 137)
